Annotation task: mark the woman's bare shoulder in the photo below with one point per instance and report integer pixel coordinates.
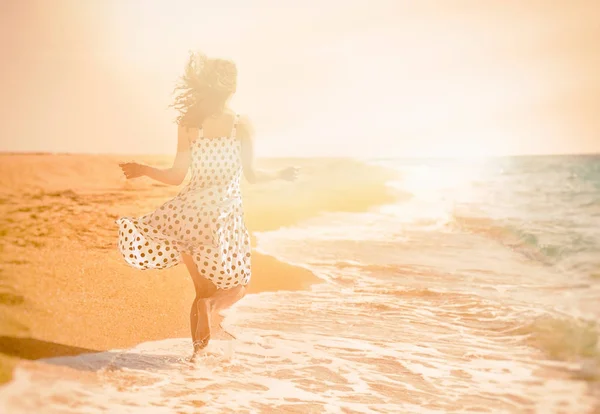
(185, 136)
(245, 128)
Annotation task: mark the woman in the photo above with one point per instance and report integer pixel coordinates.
(203, 225)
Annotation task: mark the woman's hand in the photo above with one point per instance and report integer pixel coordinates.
(289, 174)
(133, 169)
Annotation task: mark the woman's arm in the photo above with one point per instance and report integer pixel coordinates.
(173, 175)
(245, 133)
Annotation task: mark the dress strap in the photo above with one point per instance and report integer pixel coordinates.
(235, 123)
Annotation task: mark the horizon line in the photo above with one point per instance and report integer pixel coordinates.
(42, 153)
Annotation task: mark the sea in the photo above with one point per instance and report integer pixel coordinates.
(476, 291)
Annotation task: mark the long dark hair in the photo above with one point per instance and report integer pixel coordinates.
(212, 80)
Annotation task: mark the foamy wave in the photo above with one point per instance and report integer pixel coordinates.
(376, 348)
(576, 254)
(279, 372)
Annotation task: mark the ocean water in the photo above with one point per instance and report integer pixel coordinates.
(477, 291)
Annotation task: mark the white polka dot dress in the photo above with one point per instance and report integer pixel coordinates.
(205, 220)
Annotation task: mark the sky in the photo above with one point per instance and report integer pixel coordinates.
(358, 78)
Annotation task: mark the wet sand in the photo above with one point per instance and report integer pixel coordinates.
(65, 290)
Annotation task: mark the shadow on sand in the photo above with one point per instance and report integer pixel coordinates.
(85, 359)
(29, 348)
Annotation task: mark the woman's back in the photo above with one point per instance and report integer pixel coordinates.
(203, 225)
(216, 165)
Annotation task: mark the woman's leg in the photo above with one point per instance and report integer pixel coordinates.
(223, 299)
(199, 313)
(209, 299)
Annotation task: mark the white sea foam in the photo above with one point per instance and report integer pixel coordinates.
(403, 350)
(412, 319)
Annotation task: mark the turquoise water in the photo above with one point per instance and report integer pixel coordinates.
(547, 208)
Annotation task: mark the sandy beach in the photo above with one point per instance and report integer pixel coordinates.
(416, 303)
(439, 252)
(65, 290)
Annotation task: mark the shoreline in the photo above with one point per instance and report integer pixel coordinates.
(48, 338)
(65, 290)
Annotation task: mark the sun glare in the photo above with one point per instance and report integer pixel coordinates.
(388, 79)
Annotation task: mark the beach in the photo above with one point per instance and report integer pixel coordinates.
(387, 285)
(65, 288)
(439, 252)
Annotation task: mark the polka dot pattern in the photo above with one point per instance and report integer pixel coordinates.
(205, 220)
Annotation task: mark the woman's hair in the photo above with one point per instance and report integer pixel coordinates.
(204, 81)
